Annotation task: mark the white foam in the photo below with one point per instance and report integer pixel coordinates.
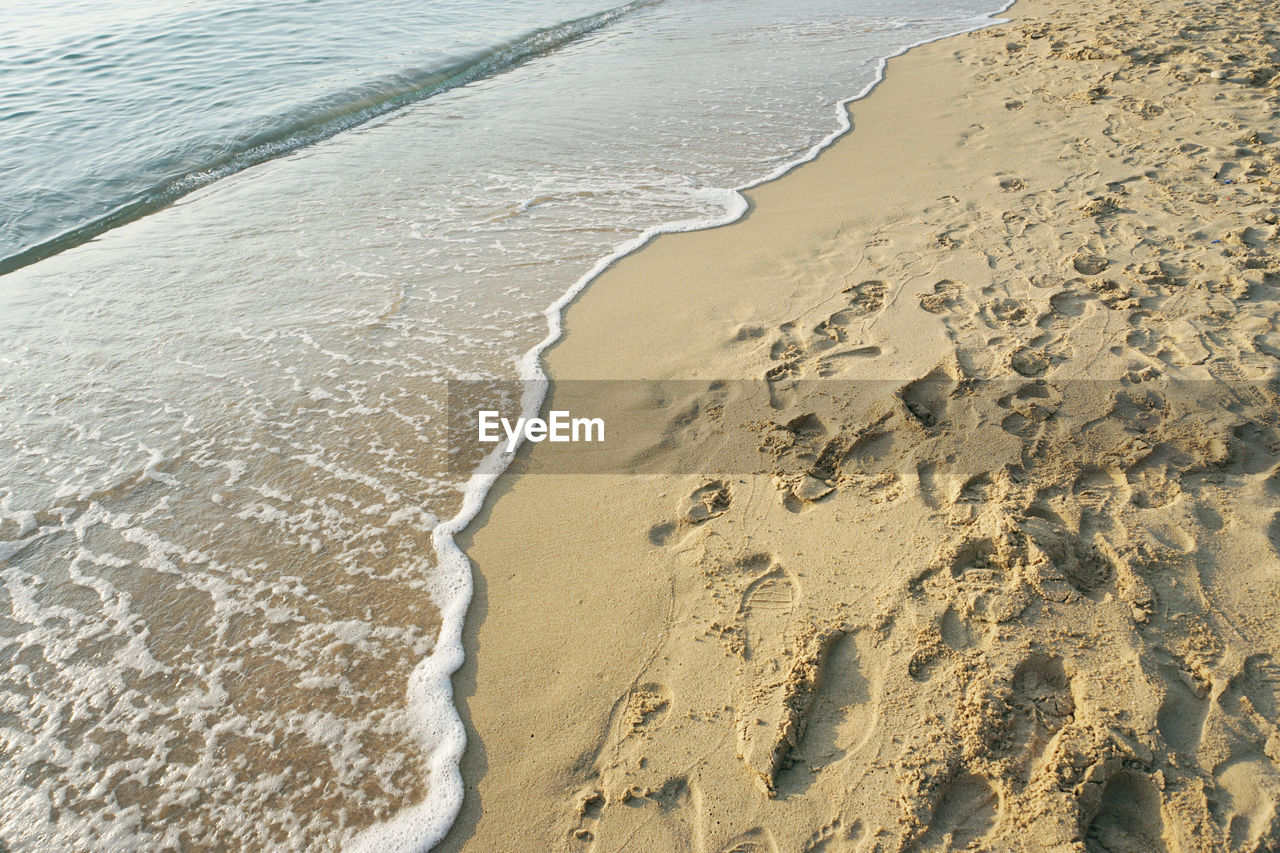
(430, 691)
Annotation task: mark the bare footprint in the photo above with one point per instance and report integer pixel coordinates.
(664, 818)
(831, 835)
(1042, 696)
(1154, 479)
(773, 715)
(1248, 812)
(964, 815)
(946, 293)
(839, 717)
(1059, 557)
(1032, 406)
(1182, 713)
(756, 840)
(1128, 818)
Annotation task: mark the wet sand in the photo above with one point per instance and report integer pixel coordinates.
(1022, 598)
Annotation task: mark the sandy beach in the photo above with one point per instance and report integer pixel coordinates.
(1022, 593)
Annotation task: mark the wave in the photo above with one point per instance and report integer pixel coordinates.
(326, 118)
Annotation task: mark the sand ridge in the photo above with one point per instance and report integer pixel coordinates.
(1023, 599)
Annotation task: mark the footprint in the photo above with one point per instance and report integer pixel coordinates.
(789, 368)
(1090, 569)
(1248, 811)
(590, 807)
(1097, 488)
(787, 352)
(1112, 294)
(765, 612)
(1042, 696)
(835, 831)
(927, 477)
(781, 378)
(1128, 817)
(709, 500)
(647, 707)
(1160, 347)
(1138, 410)
(1031, 405)
(1088, 263)
(756, 840)
(926, 398)
(1029, 362)
(1005, 312)
(1260, 682)
(1060, 558)
(1064, 305)
(964, 815)
(772, 717)
(980, 575)
(870, 453)
(985, 586)
(970, 327)
(1098, 207)
(945, 295)
(1154, 480)
(866, 296)
(1182, 713)
(839, 716)
(665, 818)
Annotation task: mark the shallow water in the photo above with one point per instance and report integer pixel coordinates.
(226, 417)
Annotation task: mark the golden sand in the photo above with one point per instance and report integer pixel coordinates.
(1026, 600)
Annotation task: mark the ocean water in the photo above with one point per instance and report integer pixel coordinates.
(245, 244)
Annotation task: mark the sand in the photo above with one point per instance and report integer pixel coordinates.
(1011, 583)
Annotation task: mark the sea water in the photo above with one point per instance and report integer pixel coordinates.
(246, 243)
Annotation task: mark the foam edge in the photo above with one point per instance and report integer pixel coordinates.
(437, 725)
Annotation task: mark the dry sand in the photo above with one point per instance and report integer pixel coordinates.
(1026, 597)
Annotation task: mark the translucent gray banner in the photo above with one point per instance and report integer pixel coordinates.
(820, 433)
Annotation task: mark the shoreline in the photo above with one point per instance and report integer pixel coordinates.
(431, 679)
(586, 658)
